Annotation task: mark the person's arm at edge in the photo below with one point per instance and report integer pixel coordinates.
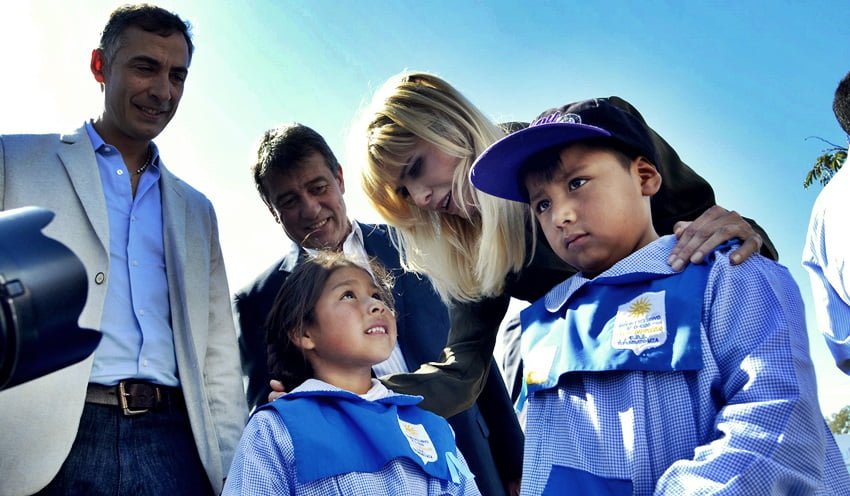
(825, 254)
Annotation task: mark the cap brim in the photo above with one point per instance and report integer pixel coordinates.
(496, 171)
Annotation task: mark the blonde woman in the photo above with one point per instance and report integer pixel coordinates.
(422, 137)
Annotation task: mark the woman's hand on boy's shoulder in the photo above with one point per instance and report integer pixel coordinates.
(711, 229)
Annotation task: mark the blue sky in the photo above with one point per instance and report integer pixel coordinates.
(736, 87)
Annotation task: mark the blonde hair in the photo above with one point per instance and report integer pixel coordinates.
(466, 258)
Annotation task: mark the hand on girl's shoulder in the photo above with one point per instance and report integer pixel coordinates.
(277, 390)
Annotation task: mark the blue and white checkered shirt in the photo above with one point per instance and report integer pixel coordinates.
(826, 256)
(748, 422)
(264, 464)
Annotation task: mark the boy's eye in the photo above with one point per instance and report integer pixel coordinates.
(576, 183)
(378, 296)
(347, 295)
(541, 206)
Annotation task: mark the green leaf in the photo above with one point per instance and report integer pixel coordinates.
(826, 166)
(839, 422)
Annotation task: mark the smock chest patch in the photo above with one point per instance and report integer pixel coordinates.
(419, 440)
(641, 323)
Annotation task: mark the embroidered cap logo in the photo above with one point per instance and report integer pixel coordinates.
(557, 117)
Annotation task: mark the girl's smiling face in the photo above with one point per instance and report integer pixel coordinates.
(353, 328)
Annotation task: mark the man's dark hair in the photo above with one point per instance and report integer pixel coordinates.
(283, 148)
(147, 17)
(294, 311)
(841, 103)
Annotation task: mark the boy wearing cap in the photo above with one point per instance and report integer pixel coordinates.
(640, 379)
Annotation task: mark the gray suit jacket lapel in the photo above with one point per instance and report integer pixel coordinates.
(174, 236)
(178, 269)
(77, 158)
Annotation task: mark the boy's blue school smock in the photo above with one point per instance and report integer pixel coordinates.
(647, 381)
(322, 440)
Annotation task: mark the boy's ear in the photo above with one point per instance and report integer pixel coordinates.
(650, 179)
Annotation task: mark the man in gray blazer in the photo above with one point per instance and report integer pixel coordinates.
(159, 407)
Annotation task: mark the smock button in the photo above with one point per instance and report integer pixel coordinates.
(99, 278)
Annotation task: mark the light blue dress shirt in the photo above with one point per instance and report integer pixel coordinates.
(137, 338)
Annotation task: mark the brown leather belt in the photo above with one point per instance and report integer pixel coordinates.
(134, 397)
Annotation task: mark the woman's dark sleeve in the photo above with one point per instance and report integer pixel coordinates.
(453, 383)
(684, 195)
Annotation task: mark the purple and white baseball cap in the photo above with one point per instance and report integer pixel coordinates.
(497, 170)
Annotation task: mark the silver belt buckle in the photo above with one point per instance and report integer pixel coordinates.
(125, 408)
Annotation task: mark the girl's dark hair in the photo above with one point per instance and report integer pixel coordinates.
(294, 310)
